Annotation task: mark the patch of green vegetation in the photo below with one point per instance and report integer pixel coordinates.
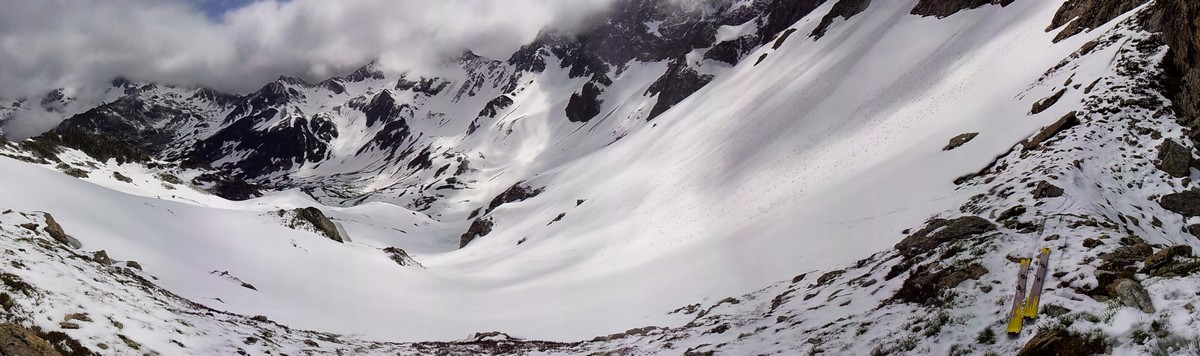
(986, 336)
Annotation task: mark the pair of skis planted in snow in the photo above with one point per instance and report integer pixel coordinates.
(1026, 306)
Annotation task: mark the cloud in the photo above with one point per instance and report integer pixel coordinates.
(48, 44)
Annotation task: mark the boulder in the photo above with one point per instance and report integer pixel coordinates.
(1044, 189)
(1186, 203)
(322, 223)
(101, 257)
(56, 232)
(1131, 294)
(1012, 212)
(1174, 159)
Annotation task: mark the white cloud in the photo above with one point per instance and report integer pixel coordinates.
(49, 44)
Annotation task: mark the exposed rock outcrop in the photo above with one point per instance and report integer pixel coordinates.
(960, 140)
(18, 341)
(479, 227)
(939, 231)
(1067, 121)
(943, 8)
(844, 9)
(1084, 15)
(322, 223)
(56, 232)
(400, 257)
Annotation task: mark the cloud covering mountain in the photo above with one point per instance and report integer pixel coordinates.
(77, 44)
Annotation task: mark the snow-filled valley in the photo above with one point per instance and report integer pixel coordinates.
(803, 199)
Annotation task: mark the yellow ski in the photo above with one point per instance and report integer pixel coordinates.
(1035, 293)
(1015, 316)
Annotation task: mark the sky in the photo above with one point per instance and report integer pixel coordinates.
(238, 45)
(215, 8)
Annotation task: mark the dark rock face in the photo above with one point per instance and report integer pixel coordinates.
(844, 9)
(479, 227)
(515, 193)
(585, 104)
(17, 340)
(943, 8)
(491, 109)
(732, 51)
(293, 141)
(231, 188)
(1186, 203)
(1174, 158)
(1179, 23)
(1084, 15)
(784, 13)
(382, 108)
(128, 119)
(939, 231)
(318, 220)
(678, 83)
(1055, 341)
(98, 145)
(960, 140)
(427, 86)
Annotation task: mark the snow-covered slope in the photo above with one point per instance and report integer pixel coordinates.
(820, 162)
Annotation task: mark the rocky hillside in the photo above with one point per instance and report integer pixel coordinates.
(717, 177)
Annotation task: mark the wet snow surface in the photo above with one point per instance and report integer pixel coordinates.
(820, 158)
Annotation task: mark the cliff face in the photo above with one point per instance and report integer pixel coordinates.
(1179, 22)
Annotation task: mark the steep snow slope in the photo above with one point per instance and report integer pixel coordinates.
(816, 157)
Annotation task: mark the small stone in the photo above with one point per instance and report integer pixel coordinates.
(68, 325)
(134, 265)
(1090, 242)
